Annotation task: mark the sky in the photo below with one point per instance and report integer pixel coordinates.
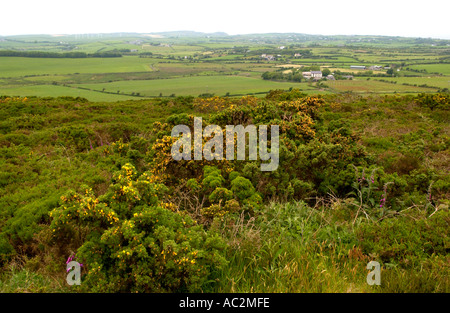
(410, 18)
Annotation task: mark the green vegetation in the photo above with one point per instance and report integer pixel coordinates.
(86, 170)
(361, 178)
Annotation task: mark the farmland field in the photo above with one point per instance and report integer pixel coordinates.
(163, 65)
(218, 85)
(443, 69)
(16, 67)
(59, 91)
(366, 86)
(434, 81)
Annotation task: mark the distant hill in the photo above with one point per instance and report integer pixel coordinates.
(188, 33)
(40, 42)
(196, 34)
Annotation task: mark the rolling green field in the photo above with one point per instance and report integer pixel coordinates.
(18, 66)
(439, 82)
(362, 85)
(218, 85)
(170, 64)
(443, 69)
(60, 91)
(122, 90)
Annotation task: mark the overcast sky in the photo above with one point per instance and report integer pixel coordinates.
(408, 18)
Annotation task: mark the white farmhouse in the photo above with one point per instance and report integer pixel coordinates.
(316, 74)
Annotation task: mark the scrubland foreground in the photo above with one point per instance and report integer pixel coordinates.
(361, 178)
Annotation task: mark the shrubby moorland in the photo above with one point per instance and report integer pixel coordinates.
(360, 178)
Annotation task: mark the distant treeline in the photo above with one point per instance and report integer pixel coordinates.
(44, 54)
(297, 77)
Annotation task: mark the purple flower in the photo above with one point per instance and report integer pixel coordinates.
(72, 258)
(382, 202)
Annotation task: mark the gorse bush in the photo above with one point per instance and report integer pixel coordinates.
(132, 241)
(311, 160)
(434, 101)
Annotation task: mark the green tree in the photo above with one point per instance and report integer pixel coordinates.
(326, 72)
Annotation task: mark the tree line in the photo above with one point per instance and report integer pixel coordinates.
(45, 54)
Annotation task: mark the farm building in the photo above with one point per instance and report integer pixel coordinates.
(358, 67)
(268, 57)
(316, 74)
(312, 74)
(330, 77)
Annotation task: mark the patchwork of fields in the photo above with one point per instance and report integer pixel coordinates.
(164, 66)
(375, 86)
